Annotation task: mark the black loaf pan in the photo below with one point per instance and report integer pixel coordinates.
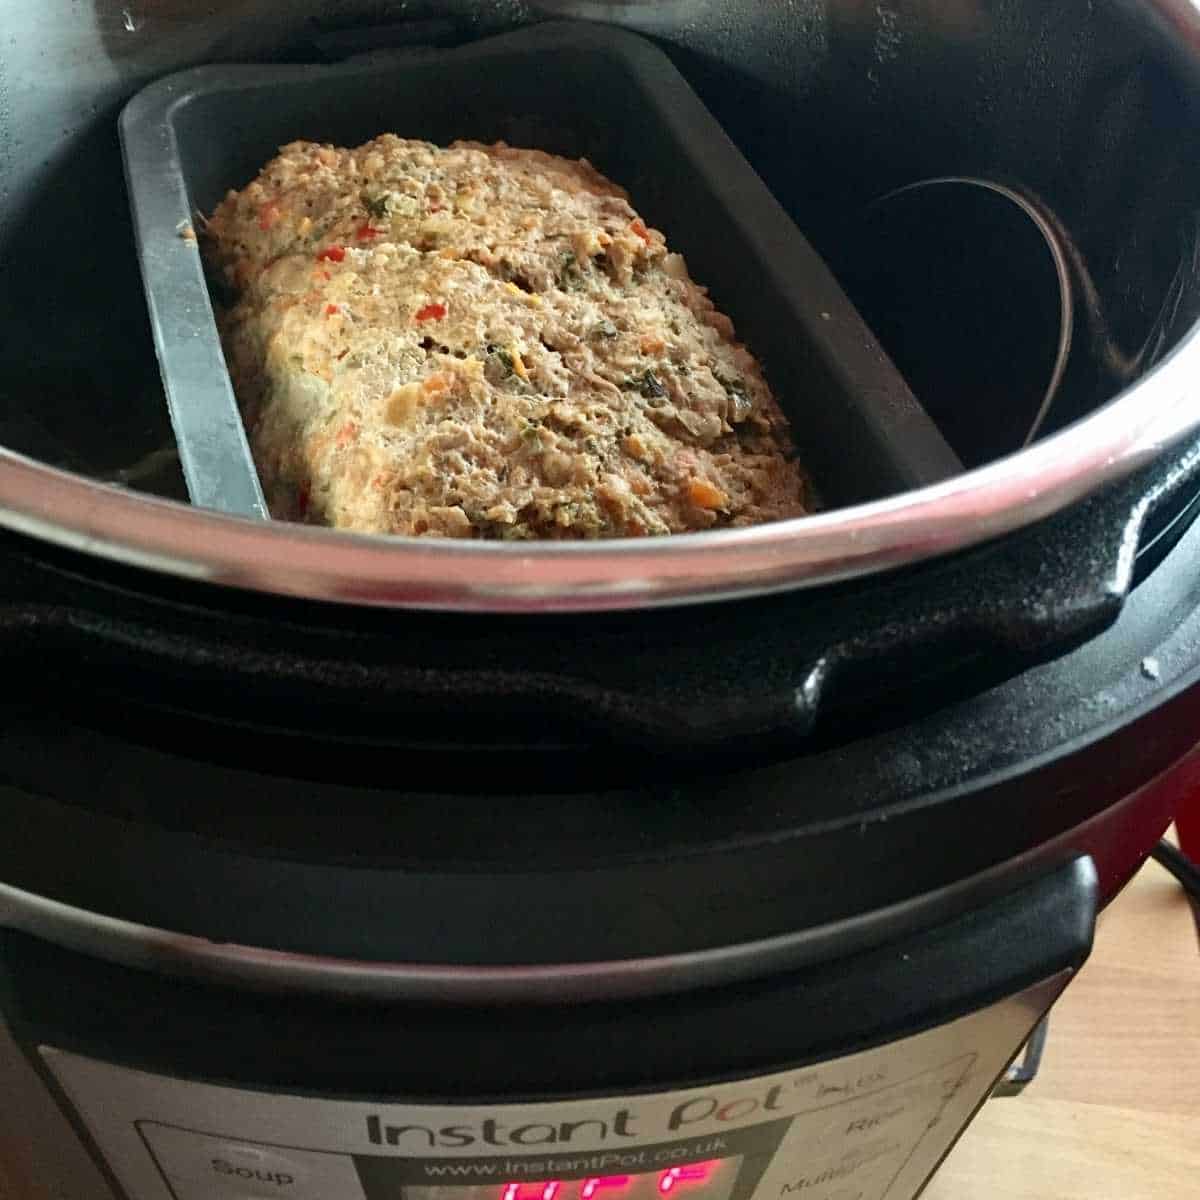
(578, 90)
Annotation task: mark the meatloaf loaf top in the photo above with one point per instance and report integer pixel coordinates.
(484, 342)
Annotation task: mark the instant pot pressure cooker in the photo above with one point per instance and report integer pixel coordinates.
(731, 865)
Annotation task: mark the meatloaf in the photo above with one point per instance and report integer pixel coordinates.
(484, 342)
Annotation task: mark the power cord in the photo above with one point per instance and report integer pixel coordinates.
(1174, 860)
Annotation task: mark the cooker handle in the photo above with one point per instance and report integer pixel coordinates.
(934, 632)
(739, 677)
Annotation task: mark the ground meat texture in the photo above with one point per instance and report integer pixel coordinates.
(484, 342)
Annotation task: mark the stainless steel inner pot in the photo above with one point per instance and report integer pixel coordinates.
(1091, 105)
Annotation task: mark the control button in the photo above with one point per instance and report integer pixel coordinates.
(257, 1172)
(202, 1166)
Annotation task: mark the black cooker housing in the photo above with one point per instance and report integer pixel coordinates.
(910, 735)
(830, 767)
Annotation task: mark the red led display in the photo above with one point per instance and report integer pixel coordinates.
(593, 1185)
(671, 1180)
(668, 1179)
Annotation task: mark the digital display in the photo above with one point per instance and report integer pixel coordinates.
(709, 1180)
(627, 1187)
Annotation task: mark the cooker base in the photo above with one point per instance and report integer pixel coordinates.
(860, 1072)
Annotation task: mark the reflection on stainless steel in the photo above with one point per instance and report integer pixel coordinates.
(1070, 100)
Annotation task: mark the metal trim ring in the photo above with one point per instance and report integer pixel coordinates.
(283, 559)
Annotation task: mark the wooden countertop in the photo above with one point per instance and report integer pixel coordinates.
(1115, 1109)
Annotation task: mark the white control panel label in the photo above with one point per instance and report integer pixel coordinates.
(868, 1126)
